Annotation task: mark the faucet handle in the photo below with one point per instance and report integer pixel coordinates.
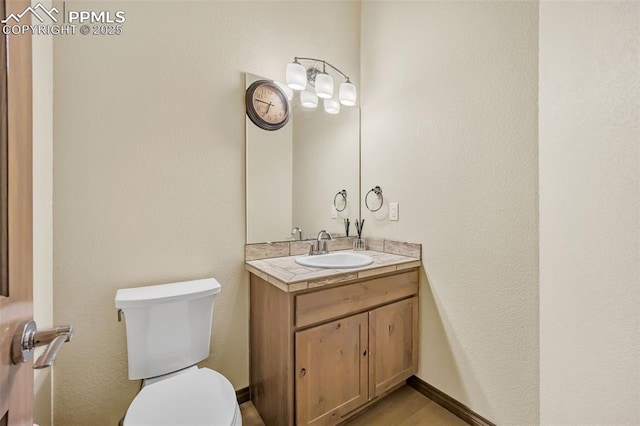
(313, 248)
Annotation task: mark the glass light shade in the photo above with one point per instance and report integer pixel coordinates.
(347, 94)
(296, 76)
(308, 99)
(288, 90)
(332, 106)
(324, 86)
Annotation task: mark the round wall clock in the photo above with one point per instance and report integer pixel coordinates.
(267, 105)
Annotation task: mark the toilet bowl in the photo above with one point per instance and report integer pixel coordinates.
(199, 396)
(168, 332)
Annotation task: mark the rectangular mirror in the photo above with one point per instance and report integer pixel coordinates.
(295, 174)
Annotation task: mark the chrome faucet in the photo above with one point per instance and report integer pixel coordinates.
(295, 231)
(320, 245)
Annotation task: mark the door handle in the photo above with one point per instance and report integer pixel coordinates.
(29, 338)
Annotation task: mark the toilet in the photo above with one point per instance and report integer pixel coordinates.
(168, 332)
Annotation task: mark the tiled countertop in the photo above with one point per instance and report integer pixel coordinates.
(287, 275)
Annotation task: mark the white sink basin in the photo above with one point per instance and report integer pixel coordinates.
(345, 259)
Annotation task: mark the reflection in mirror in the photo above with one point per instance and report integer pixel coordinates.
(294, 174)
(326, 160)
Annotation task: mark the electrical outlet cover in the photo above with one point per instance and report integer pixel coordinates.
(393, 211)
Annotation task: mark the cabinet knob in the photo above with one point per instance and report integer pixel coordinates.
(303, 372)
(337, 326)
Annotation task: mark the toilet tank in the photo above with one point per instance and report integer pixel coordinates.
(168, 325)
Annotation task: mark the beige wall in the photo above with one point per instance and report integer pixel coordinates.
(449, 130)
(589, 213)
(149, 186)
(42, 211)
(149, 171)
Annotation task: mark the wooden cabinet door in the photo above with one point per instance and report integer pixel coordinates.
(331, 370)
(393, 345)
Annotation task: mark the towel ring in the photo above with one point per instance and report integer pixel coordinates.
(343, 193)
(378, 191)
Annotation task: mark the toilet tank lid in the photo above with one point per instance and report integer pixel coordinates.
(144, 296)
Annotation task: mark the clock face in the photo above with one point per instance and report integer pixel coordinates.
(267, 105)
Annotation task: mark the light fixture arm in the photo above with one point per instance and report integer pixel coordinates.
(299, 76)
(324, 64)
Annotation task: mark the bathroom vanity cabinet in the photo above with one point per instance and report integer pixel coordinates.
(322, 354)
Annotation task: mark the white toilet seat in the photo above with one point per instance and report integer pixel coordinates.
(198, 397)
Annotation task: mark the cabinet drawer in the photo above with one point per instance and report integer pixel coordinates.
(331, 303)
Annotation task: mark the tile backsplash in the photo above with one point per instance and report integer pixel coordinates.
(296, 248)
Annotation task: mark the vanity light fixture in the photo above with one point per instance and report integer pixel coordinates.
(347, 93)
(298, 77)
(324, 85)
(308, 99)
(332, 106)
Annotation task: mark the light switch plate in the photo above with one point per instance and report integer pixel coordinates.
(393, 211)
